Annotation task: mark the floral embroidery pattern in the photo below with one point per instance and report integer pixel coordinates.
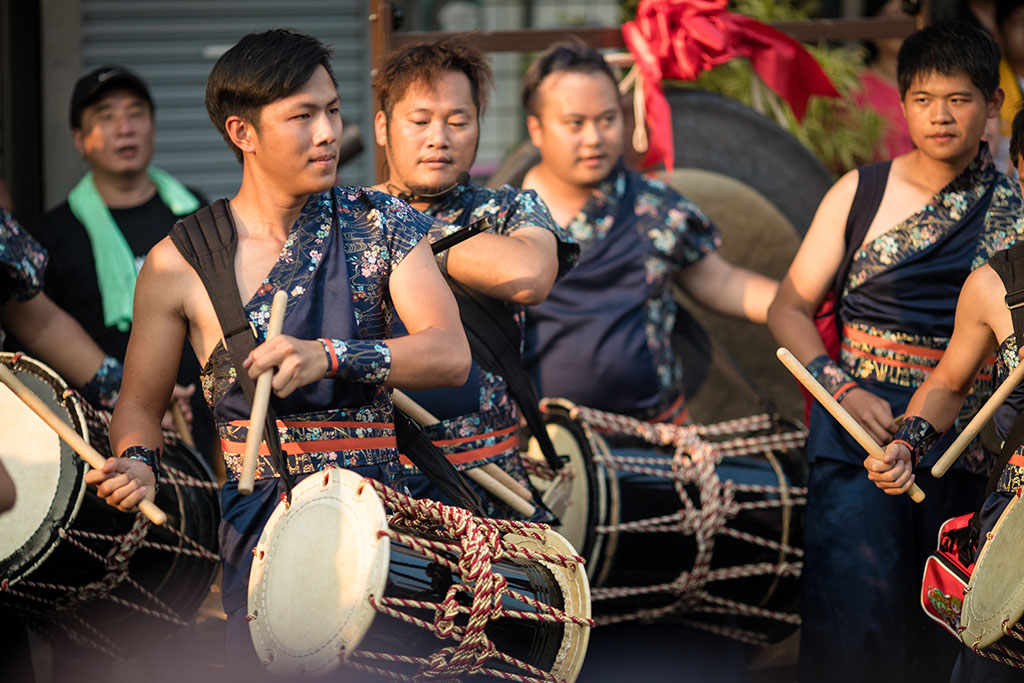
(1003, 222)
(377, 231)
(1012, 476)
(361, 360)
(367, 422)
(509, 209)
(22, 262)
(678, 235)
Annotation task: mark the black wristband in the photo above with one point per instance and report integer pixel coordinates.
(919, 436)
(147, 456)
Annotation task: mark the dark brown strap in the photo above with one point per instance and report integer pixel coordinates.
(207, 241)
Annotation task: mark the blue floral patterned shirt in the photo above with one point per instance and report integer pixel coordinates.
(22, 263)
(482, 407)
(335, 266)
(603, 337)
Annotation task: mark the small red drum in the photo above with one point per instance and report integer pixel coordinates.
(91, 578)
(994, 599)
(428, 591)
(692, 524)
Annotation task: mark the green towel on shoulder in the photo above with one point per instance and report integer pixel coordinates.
(115, 262)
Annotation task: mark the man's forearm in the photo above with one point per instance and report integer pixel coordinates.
(134, 425)
(506, 267)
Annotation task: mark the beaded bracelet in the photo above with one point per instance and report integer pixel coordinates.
(918, 435)
(102, 390)
(147, 456)
(357, 360)
(831, 376)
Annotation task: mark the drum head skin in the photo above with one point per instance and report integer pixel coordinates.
(46, 473)
(995, 594)
(575, 593)
(315, 566)
(583, 495)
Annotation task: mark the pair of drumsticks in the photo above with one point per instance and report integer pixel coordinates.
(874, 450)
(491, 477)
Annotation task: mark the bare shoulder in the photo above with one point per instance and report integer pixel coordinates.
(839, 198)
(166, 275)
(983, 298)
(164, 258)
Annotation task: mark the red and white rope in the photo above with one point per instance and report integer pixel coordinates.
(707, 504)
(468, 546)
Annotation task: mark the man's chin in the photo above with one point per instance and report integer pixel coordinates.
(435, 188)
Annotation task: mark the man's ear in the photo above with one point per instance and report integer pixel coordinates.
(241, 133)
(534, 129)
(995, 103)
(380, 128)
(78, 138)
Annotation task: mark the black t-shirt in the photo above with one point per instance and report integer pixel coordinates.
(70, 280)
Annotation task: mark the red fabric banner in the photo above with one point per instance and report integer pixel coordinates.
(678, 39)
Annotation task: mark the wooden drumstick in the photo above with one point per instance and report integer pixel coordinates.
(978, 421)
(485, 476)
(79, 445)
(261, 399)
(838, 412)
(181, 425)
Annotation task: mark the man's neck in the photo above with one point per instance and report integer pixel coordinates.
(124, 191)
(265, 210)
(393, 188)
(933, 174)
(564, 199)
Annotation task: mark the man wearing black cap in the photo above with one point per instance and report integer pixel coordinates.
(98, 238)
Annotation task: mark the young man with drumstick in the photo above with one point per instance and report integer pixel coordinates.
(983, 326)
(926, 220)
(432, 97)
(345, 256)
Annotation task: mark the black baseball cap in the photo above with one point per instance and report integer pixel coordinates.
(93, 84)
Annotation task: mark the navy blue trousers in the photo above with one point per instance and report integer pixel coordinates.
(864, 558)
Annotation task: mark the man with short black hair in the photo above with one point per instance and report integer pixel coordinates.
(432, 97)
(98, 238)
(923, 222)
(348, 257)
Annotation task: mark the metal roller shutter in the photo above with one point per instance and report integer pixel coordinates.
(173, 44)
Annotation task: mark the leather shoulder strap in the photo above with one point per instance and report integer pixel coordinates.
(207, 240)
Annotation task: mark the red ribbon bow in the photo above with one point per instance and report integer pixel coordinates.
(678, 39)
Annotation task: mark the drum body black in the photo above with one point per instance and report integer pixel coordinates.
(708, 535)
(92, 578)
(427, 590)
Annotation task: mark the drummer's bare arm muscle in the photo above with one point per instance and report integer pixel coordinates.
(809, 279)
(980, 319)
(728, 289)
(520, 267)
(434, 354)
(50, 334)
(151, 366)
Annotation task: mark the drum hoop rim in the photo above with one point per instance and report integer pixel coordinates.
(376, 571)
(49, 541)
(990, 635)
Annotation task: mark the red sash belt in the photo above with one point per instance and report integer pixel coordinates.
(506, 440)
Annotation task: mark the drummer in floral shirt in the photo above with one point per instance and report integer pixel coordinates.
(603, 336)
(432, 97)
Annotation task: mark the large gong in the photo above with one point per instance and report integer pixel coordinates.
(761, 187)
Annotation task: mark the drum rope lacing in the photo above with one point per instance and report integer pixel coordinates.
(116, 561)
(468, 547)
(694, 467)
